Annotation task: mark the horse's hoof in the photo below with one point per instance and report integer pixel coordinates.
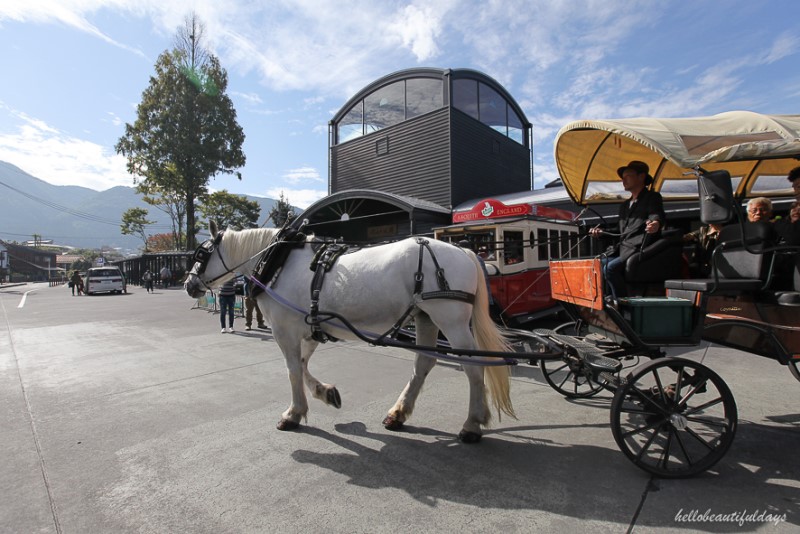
(333, 398)
(469, 437)
(392, 423)
(287, 424)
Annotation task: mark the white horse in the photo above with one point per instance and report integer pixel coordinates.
(372, 288)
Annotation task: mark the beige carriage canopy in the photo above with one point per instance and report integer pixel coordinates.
(758, 151)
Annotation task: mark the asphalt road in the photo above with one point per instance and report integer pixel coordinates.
(132, 413)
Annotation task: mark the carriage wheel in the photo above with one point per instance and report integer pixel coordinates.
(674, 418)
(567, 375)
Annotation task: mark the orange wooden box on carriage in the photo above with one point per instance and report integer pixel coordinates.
(577, 281)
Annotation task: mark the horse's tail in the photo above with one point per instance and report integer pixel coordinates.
(489, 337)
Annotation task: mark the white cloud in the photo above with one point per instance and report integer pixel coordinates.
(418, 28)
(251, 98)
(302, 198)
(302, 174)
(785, 45)
(59, 158)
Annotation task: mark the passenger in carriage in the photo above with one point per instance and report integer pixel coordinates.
(759, 209)
(788, 229)
(641, 219)
(794, 179)
(705, 238)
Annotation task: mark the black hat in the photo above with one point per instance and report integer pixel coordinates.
(639, 167)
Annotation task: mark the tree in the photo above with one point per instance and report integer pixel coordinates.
(185, 130)
(281, 211)
(133, 222)
(160, 243)
(230, 210)
(171, 203)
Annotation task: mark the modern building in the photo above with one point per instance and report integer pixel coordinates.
(412, 145)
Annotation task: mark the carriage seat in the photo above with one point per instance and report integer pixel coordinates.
(737, 268)
(791, 298)
(658, 261)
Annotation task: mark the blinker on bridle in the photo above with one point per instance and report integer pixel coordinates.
(201, 256)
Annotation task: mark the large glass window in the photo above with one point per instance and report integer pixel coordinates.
(351, 125)
(492, 108)
(422, 95)
(390, 105)
(515, 128)
(384, 107)
(465, 97)
(485, 104)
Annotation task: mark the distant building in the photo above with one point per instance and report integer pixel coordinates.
(3, 262)
(28, 263)
(65, 261)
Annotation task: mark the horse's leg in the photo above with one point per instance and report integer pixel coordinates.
(427, 333)
(292, 353)
(459, 336)
(327, 393)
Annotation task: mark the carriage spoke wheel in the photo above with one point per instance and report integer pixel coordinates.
(673, 418)
(568, 375)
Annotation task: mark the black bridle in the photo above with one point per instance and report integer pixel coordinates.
(202, 255)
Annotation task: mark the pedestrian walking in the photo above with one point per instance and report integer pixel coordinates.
(147, 277)
(227, 301)
(165, 275)
(76, 283)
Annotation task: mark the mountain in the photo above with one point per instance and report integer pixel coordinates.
(76, 216)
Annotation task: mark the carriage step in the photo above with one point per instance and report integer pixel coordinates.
(570, 341)
(590, 353)
(602, 364)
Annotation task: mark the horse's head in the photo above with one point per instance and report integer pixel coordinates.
(210, 268)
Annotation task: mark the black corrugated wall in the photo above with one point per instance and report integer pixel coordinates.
(411, 158)
(485, 162)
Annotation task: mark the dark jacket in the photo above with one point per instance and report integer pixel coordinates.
(632, 220)
(788, 232)
(228, 289)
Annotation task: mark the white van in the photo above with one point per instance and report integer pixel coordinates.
(104, 279)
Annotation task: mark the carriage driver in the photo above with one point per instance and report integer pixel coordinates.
(641, 218)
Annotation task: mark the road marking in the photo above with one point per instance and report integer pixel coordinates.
(24, 297)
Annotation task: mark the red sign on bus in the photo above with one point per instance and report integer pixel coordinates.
(494, 209)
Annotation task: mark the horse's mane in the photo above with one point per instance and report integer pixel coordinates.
(245, 243)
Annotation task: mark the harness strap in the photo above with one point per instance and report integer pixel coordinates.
(274, 256)
(452, 294)
(444, 287)
(322, 263)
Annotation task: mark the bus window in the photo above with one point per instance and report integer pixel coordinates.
(555, 253)
(566, 251)
(513, 247)
(541, 243)
(485, 243)
(573, 245)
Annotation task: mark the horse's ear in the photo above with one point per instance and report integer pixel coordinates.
(212, 228)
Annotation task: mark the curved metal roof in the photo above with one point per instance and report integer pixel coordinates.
(432, 72)
(364, 204)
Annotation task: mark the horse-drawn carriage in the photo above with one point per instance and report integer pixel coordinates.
(672, 417)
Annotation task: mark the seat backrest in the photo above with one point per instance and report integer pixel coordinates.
(737, 258)
(656, 262)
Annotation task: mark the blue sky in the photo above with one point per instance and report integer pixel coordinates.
(73, 71)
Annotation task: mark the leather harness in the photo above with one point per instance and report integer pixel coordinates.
(325, 257)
